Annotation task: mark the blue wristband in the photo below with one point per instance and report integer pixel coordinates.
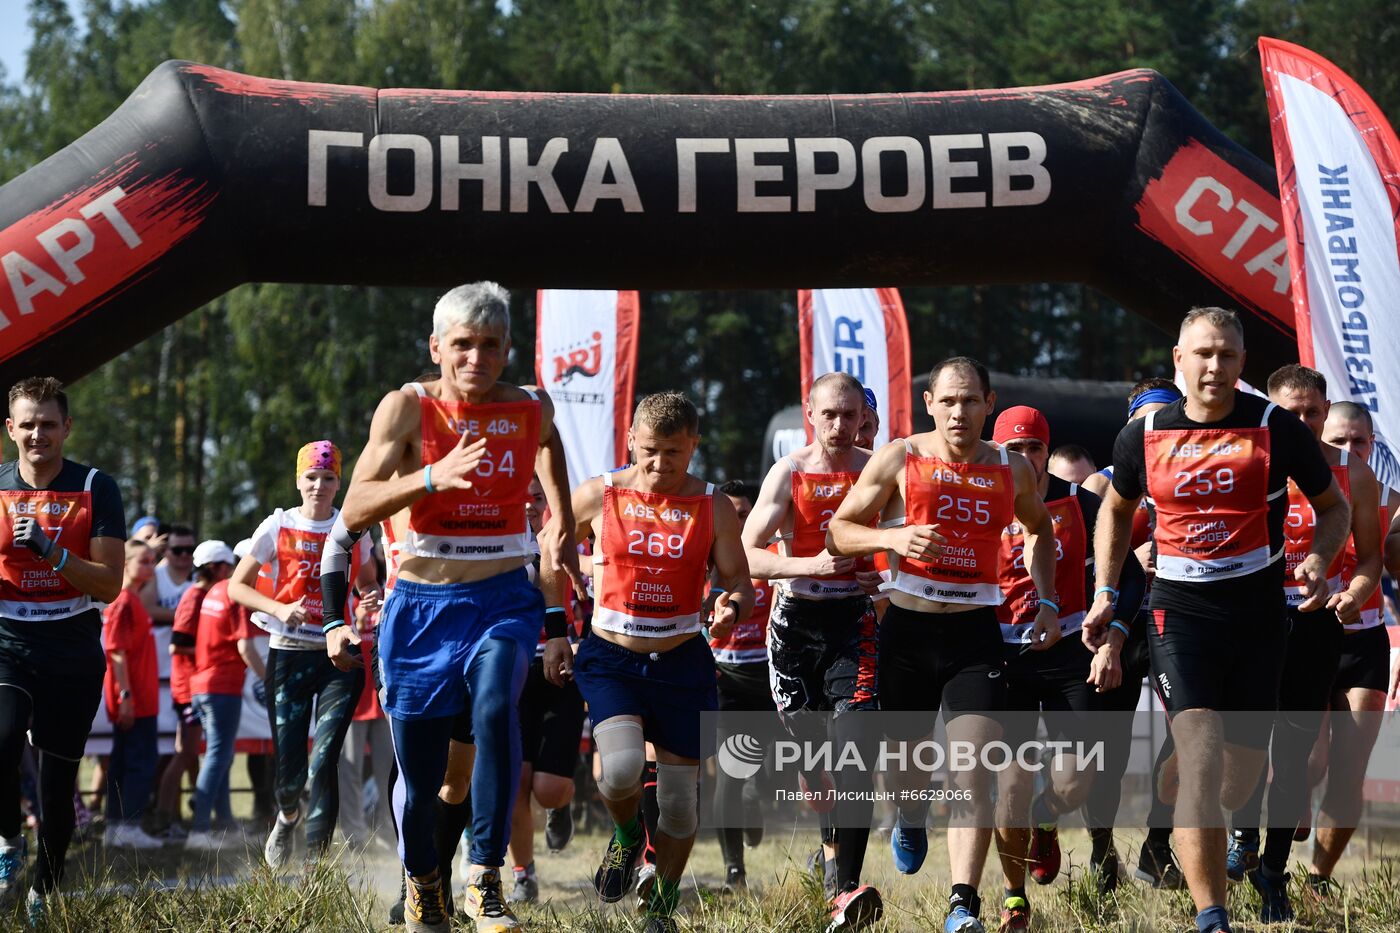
(61, 561)
(1121, 627)
(331, 626)
(428, 478)
(1051, 603)
(1106, 589)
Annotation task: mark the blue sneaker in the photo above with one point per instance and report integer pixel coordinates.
(36, 908)
(11, 866)
(1242, 857)
(909, 845)
(1273, 892)
(961, 921)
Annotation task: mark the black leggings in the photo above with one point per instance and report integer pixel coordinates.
(58, 778)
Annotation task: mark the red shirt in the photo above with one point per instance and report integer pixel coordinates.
(128, 629)
(218, 665)
(186, 623)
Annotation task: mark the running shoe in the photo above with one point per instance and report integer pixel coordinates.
(36, 909)
(961, 920)
(1321, 888)
(735, 881)
(909, 845)
(822, 800)
(855, 908)
(658, 923)
(1273, 892)
(277, 851)
(1242, 858)
(423, 908)
(1044, 856)
(484, 905)
(526, 889)
(823, 870)
(646, 880)
(1106, 872)
(618, 871)
(1157, 866)
(396, 911)
(204, 840)
(129, 836)
(1015, 916)
(558, 828)
(12, 865)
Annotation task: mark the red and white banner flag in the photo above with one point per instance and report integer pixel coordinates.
(1338, 163)
(586, 359)
(860, 331)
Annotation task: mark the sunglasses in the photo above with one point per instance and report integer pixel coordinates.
(182, 550)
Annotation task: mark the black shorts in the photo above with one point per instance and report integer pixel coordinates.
(952, 661)
(821, 653)
(1310, 660)
(1220, 664)
(551, 723)
(744, 688)
(1053, 681)
(185, 713)
(1364, 661)
(59, 665)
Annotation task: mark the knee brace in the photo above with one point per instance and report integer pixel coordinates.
(622, 751)
(677, 797)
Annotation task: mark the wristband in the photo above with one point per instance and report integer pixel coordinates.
(331, 626)
(1106, 589)
(716, 590)
(428, 478)
(1121, 627)
(1051, 603)
(556, 623)
(61, 561)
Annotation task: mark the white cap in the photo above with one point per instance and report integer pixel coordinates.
(213, 552)
(243, 548)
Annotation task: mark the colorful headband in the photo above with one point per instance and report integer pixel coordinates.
(1153, 395)
(319, 455)
(870, 401)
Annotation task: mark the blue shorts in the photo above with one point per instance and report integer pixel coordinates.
(668, 691)
(429, 633)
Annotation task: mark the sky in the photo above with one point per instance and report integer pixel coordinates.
(14, 38)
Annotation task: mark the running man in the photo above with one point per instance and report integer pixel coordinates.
(298, 675)
(1313, 651)
(1218, 614)
(457, 455)
(645, 670)
(940, 643)
(822, 627)
(1359, 689)
(1060, 681)
(62, 538)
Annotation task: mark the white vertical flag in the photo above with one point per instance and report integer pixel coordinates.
(586, 359)
(1338, 165)
(863, 332)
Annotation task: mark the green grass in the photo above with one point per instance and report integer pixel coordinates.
(116, 893)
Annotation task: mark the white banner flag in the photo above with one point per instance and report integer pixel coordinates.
(1338, 165)
(586, 359)
(863, 332)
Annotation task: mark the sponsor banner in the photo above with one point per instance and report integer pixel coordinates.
(1338, 163)
(911, 761)
(863, 332)
(586, 359)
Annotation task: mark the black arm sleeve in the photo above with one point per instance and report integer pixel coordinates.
(108, 518)
(335, 571)
(1128, 467)
(182, 639)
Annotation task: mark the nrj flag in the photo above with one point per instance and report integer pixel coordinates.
(1338, 164)
(863, 332)
(586, 359)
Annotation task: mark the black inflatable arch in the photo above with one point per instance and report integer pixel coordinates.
(204, 179)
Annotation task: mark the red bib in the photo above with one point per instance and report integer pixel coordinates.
(1298, 529)
(815, 498)
(1017, 613)
(972, 503)
(487, 521)
(652, 561)
(29, 588)
(748, 640)
(1371, 615)
(1211, 489)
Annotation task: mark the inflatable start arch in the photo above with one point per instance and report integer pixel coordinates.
(205, 179)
